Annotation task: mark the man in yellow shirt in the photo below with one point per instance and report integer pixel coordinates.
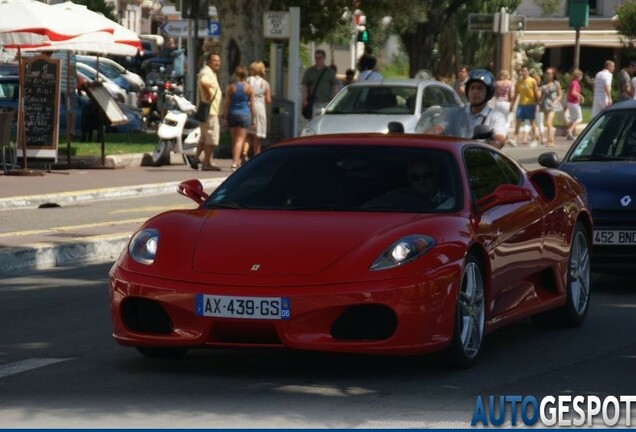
(528, 95)
(208, 90)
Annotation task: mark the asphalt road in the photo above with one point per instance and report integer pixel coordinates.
(59, 367)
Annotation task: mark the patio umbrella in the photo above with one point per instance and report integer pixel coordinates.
(26, 23)
(107, 37)
(124, 41)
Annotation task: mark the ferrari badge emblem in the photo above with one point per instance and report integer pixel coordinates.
(255, 267)
(626, 200)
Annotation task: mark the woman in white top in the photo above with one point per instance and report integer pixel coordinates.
(262, 96)
(504, 93)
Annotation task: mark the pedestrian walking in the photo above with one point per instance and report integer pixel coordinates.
(460, 83)
(350, 77)
(550, 103)
(240, 113)
(208, 91)
(625, 88)
(504, 95)
(262, 98)
(527, 93)
(574, 99)
(318, 86)
(366, 66)
(603, 88)
(538, 133)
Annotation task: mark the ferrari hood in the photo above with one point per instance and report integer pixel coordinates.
(339, 123)
(290, 243)
(610, 185)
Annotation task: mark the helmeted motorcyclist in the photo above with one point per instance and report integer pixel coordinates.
(461, 121)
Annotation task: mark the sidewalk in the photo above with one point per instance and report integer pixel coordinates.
(21, 252)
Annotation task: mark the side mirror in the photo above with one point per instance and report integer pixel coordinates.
(504, 194)
(482, 131)
(396, 127)
(192, 189)
(549, 160)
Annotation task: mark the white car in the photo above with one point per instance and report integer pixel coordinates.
(369, 106)
(88, 73)
(134, 79)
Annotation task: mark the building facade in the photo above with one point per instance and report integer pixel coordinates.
(599, 41)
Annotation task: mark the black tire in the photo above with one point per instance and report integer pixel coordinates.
(163, 353)
(577, 302)
(161, 153)
(470, 316)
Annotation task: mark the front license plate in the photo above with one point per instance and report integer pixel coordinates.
(275, 308)
(615, 237)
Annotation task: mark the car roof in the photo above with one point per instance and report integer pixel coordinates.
(628, 104)
(396, 82)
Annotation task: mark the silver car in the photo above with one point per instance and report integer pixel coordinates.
(368, 106)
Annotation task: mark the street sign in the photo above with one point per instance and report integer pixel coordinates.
(276, 25)
(481, 22)
(179, 28)
(214, 28)
(579, 15)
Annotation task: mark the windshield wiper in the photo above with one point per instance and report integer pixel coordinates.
(224, 205)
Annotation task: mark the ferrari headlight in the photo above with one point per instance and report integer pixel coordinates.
(143, 246)
(402, 251)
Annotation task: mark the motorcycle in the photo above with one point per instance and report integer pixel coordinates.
(147, 101)
(178, 132)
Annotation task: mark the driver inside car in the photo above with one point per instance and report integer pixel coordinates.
(425, 180)
(461, 121)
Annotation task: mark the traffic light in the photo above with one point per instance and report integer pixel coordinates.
(363, 35)
(194, 9)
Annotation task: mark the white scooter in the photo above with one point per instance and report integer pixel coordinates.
(177, 132)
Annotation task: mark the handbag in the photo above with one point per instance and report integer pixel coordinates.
(203, 109)
(308, 110)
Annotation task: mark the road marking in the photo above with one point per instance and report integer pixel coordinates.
(28, 364)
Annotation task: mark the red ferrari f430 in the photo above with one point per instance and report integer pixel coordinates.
(365, 243)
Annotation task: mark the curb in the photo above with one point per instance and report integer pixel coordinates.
(40, 256)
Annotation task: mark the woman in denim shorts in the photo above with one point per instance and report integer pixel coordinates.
(239, 112)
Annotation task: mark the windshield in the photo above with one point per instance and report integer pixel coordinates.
(612, 137)
(344, 178)
(107, 70)
(374, 100)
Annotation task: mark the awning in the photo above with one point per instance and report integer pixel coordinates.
(562, 38)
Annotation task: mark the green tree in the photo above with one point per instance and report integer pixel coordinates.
(626, 19)
(107, 9)
(475, 49)
(319, 19)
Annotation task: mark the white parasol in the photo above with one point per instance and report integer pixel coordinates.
(25, 23)
(119, 41)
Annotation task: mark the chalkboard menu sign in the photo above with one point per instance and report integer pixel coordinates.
(39, 116)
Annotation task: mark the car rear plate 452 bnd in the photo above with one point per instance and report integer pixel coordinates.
(615, 237)
(274, 308)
